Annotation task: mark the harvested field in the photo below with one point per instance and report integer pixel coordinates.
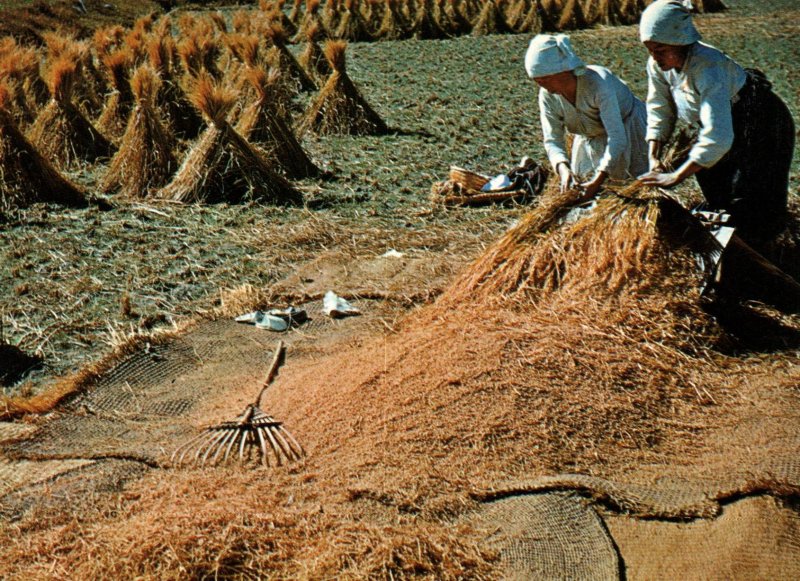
(511, 374)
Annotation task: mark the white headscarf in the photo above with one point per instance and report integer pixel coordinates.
(668, 22)
(550, 54)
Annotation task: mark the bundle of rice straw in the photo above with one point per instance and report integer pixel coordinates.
(284, 60)
(27, 176)
(424, 25)
(638, 241)
(274, 13)
(490, 21)
(339, 108)
(199, 52)
(145, 160)
(392, 26)
(267, 130)
(572, 16)
(312, 58)
(352, 26)
(222, 166)
(311, 18)
(61, 132)
(331, 16)
(89, 85)
(181, 117)
(530, 22)
(117, 109)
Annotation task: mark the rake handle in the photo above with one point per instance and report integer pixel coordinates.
(277, 361)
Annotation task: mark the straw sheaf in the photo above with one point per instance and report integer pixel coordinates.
(107, 39)
(276, 34)
(145, 84)
(118, 64)
(6, 97)
(244, 47)
(212, 100)
(624, 243)
(335, 53)
(61, 79)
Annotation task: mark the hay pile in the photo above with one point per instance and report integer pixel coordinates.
(145, 160)
(26, 176)
(61, 132)
(223, 166)
(568, 346)
(339, 108)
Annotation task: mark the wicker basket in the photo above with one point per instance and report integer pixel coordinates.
(468, 179)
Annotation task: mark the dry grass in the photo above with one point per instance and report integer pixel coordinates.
(66, 387)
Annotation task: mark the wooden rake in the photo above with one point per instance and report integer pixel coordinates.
(253, 434)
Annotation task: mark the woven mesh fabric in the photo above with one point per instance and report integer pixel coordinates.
(553, 535)
(137, 413)
(14, 431)
(753, 538)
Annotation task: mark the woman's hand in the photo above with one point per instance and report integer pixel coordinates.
(660, 179)
(566, 177)
(667, 180)
(593, 186)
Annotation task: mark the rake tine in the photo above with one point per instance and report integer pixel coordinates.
(220, 446)
(236, 434)
(184, 448)
(199, 442)
(276, 447)
(275, 434)
(245, 436)
(265, 458)
(296, 447)
(215, 437)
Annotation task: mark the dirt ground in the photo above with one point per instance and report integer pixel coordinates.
(75, 284)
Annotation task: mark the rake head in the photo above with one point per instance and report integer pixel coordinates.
(254, 435)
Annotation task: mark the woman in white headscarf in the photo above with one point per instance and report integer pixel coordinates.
(743, 153)
(608, 122)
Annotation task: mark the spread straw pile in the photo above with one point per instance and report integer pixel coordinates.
(568, 346)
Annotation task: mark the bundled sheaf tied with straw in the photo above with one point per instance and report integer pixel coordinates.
(26, 177)
(266, 129)
(60, 131)
(312, 59)
(223, 166)
(281, 58)
(180, 116)
(339, 108)
(117, 109)
(145, 160)
(89, 85)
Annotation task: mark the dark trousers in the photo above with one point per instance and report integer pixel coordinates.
(751, 182)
